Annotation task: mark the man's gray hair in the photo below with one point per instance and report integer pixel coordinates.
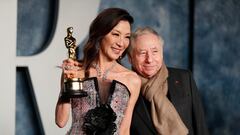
(142, 31)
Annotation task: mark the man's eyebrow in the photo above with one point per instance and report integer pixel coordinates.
(154, 47)
(141, 50)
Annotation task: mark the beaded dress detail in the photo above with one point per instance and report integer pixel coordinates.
(118, 97)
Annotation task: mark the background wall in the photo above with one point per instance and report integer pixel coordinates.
(216, 65)
(199, 35)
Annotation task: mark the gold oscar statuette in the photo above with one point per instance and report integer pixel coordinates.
(73, 87)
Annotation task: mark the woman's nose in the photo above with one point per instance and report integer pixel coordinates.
(120, 41)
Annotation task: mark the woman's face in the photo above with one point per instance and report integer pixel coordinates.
(116, 41)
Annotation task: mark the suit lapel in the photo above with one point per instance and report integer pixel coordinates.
(143, 113)
(173, 87)
(175, 93)
(171, 90)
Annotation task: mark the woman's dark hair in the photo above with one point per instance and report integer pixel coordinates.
(101, 26)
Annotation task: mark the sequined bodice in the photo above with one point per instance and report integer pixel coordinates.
(118, 99)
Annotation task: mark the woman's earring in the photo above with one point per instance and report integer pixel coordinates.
(119, 58)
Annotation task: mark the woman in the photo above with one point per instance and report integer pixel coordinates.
(109, 85)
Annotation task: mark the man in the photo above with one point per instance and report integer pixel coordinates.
(169, 103)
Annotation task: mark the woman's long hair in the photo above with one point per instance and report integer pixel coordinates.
(101, 26)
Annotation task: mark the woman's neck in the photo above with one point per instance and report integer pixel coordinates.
(103, 67)
(105, 63)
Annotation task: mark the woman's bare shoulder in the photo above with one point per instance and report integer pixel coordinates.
(130, 79)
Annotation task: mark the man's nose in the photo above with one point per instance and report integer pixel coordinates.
(149, 58)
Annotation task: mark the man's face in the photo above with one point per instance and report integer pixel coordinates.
(147, 55)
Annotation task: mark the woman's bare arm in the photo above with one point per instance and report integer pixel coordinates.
(62, 109)
(134, 87)
(63, 105)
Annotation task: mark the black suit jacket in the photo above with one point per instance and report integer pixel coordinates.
(183, 94)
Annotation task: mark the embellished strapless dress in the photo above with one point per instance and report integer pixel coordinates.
(117, 97)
